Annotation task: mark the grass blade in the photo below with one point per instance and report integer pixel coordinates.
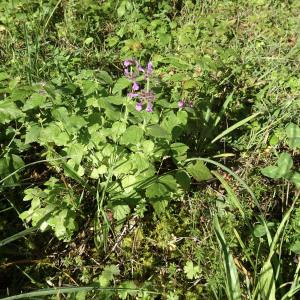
(266, 282)
(232, 278)
(235, 126)
(18, 236)
(69, 290)
(231, 198)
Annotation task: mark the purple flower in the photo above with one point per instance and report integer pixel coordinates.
(127, 63)
(149, 67)
(181, 104)
(149, 107)
(139, 106)
(126, 72)
(132, 95)
(141, 69)
(135, 86)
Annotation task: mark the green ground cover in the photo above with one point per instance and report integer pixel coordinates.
(149, 149)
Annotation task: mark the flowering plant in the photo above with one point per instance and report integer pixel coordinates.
(132, 71)
(136, 160)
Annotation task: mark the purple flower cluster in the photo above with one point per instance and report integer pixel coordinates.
(182, 103)
(132, 70)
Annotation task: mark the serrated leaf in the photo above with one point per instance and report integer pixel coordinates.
(3, 76)
(116, 100)
(157, 132)
(161, 187)
(108, 274)
(34, 101)
(132, 135)
(32, 134)
(120, 85)
(120, 211)
(89, 87)
(159, 205)
(50, 133)
(62, 139)
(105, 77)
(9, 111)
(117, 129)
(189, 84)
(191, 270)
(8, 165)
(60, 114)
(199, 171)
(148, 146)
(127, 289)
(128, 183)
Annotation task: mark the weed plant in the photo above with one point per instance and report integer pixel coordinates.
(149, 149)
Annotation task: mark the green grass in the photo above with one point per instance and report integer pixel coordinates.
(98, 200)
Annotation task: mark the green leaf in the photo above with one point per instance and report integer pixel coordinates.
(60, 114)
(159, 205)
(3, 76)
(139, 161)
(191, 271)
(271, 171)
(183, 179)
(49, 133)
(32, 134)
(295, 178)
(74, 123)
(189, 84)
(88, 40)
(116, 100)
(121, 9)
(105, 77)
(132, 135)
(148, 146)
(76, 151)
(179, 151)
(117, 129)
(284, 165)
(9, 111)
(157, 131)
(293, 134)
(295, 247)
(89, 87)
(120, 211)
(199, 171)
(260, 229)
(108, 275)
(128, 288)
(120, 85)
(62, 139)
(161, 187)
(36, 100)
